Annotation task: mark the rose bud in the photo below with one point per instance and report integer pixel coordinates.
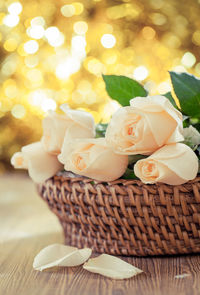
(172, 164)
(40, 164)
(92, 158)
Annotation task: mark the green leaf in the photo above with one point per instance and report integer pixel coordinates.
(187, 89)
(129, 174)
(171, 99)
(198, 155)
(101, 130)
(122, 88)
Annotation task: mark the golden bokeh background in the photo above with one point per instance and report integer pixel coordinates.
(54, 52)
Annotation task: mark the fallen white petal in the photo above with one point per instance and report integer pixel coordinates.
(60, 255)
(112, 267)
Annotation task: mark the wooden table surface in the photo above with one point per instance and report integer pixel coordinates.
(27, 226)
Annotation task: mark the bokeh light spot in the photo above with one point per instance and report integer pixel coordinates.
(18, 111)
(15, 8)
(108, 40)
(36, 32)
(38, 21)
(148, 33)
(140, 73)
(10, 45)
(31, 61)
(68, 10)
(54, 36)
(11, 20)
(164, 87)
(78, 8)
(188, 60)
(196, 37)
(80, 27)
(67, 67)
(31, 46)
(11, 91)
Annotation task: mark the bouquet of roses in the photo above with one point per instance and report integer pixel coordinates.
(153, 138)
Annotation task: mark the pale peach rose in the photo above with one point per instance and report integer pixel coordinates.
(40, 164)
(146, 125)
(92, 158)
(74, 124)
(172, 164)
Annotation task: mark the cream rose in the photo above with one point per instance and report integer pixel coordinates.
(74, 124)
(146, 125)
(40, 164)
(92, 158)
(172, 164)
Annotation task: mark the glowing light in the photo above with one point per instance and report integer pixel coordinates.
(164, 87)
(140, 73)
(68, 67)
(38, 21)
(54, 36)
(15, 8)
(179, 69)
(94, 66)
(108, 40)
(36, 32)
(10, 45)
(148, 33)
(18, 111)
(35, 77)
(68, 10)
(31, 47)
(80, 27)
(196, 37)
(84, 86)
(9, 66)
(11, 91)
(78, 8)
(158, 19)
(41, 99)
(48, 104)
(31, 61)
(188, 60)
(11, 20)
(78, 44)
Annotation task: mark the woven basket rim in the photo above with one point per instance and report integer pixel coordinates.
(78, 178)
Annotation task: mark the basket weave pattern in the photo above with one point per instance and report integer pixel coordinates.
(126, 217)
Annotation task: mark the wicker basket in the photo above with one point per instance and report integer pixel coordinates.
(126, 217)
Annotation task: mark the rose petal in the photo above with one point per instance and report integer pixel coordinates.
(83, 118)
(60, 255)
(112, 267)
(41, 165)
(18, 161)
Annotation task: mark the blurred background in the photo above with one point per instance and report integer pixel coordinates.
(54, 52)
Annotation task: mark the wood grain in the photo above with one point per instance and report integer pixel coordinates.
(26, 226)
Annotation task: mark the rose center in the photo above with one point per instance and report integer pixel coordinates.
(149, 169)
(130, 131)
(131, 128)
(80, 163)
(19, 161)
